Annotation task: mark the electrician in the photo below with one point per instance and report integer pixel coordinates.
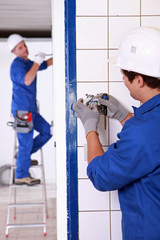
(23, 74)
(131, 164)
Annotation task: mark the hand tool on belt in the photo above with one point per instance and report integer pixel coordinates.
(22, 122)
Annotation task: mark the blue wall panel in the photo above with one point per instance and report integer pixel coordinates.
(71, 123)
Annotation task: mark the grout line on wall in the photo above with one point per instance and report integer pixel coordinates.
(116, 16)
(94, 49)
(91, 81)
(140, 13)
(108, 32)
(112, 81)
(108, 28)
(81, 211)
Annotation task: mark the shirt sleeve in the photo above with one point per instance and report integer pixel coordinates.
(18, 72)
(126, 161)
(43, 66)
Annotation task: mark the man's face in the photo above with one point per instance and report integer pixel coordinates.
(21, 50)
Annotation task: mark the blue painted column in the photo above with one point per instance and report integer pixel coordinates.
(71, 123)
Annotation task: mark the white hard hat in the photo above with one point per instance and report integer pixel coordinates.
(139, 52)
(13, 40)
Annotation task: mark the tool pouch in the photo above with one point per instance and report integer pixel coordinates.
(23, 122)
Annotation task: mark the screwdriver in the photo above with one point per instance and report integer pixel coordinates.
(104, 108)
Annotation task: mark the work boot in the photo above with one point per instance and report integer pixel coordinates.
(28, 181)
(34, 162)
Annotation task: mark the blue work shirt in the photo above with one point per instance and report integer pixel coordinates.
(132, 165)
(23, 96)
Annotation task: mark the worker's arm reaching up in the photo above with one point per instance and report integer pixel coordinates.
(31, 74)
(49, 62)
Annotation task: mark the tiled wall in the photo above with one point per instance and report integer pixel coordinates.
(100, 27)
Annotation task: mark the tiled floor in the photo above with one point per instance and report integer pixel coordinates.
(28, 214)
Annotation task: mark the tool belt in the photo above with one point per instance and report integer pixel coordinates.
(23, 122)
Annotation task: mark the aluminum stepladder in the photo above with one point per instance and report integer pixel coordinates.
(12, 204)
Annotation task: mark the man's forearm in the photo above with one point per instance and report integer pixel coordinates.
(31, 74)
(94, 146)
(130, 115)
(49, 62)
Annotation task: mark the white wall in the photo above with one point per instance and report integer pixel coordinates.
(100, 27)
(44, 95)
(58, 33)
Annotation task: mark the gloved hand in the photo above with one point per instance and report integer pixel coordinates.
(114, 108)
(89, 118)
(39, 57)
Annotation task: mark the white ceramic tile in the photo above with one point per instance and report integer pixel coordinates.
(103, 133)
(153, 21)
(119, 26)
(92, 65)
(114, 71)
(115, 127)
(92, 88)
(80, 133)
(94, 226)
(91, 32)
(149, 7)
(114, 200)
(122, 94)
(90, 199)
(103, 130)
(91, 7)
(124, 7)
(82, 163)
(116, 232)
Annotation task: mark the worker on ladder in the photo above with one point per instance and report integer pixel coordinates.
(23, 73)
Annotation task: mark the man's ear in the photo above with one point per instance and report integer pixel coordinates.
(140, 81)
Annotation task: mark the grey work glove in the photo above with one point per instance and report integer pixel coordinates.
(114, 108)
(39, 58)
(89, 118)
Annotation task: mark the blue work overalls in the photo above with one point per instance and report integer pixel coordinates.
(24, 98)
(132, 165)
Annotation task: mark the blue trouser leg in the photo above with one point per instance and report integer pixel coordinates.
(43, 127)
(28, 145)
(24, 151)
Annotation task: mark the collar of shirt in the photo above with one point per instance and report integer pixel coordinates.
(23, 60)
(147, 106)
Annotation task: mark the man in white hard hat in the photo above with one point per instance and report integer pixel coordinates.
(132, 164)
(23, 74)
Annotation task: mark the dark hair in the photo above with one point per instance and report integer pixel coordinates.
(151, 82)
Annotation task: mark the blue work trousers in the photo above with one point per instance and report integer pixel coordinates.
(29, 145)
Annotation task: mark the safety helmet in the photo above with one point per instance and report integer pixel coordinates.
(139, 51)
(13, 40)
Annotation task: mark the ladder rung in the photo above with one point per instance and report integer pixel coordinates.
(26, 204)
(25, 186)
(32, 166)
(26, 225)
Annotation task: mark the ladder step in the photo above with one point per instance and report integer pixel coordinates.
(26, 186)
(26, 225)
(32, 166)
(26, 204)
